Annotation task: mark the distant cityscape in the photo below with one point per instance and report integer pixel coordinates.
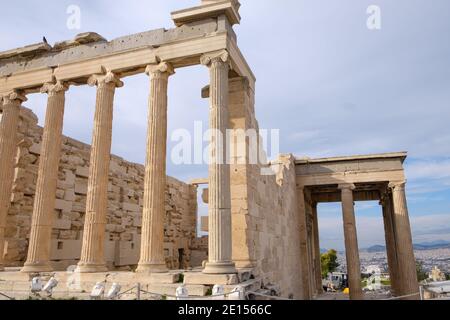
(433, 254)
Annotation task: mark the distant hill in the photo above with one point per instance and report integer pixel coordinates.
(376, 248)
(440, 244)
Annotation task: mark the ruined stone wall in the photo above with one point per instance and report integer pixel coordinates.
(125, 194)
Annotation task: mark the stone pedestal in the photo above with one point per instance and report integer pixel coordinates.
(10, 105)
(405, 251)
(220, 258)
(92, 253)
(152, 242)
(351, 242)
(38, 259)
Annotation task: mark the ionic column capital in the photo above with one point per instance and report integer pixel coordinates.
(160, 69)
(54, 88)
(346, 187)
(397, 185)
(13, 97)
(101, 80)
(218, 56)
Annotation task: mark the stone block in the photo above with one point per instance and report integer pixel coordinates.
(131, 207)
(69, 195)
(82, 172)
(65, 206)
(62, 224)
(35, 149)
(65, 250)
(81, 188)
(210, 279)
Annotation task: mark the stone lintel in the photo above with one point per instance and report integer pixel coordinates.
(401, 154)
(199, 181)
(212, 9)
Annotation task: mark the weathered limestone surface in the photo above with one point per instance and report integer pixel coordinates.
(125, 203)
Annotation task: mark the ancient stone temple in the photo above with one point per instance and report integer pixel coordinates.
(65, 205)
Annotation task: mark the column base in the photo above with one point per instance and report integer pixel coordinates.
(2, 268)
(152, 268)
(91, 268)
(36, 268)
(220, 268)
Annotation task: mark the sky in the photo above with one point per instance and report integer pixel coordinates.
(329, 83)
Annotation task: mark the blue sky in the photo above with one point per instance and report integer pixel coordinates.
(330, 84)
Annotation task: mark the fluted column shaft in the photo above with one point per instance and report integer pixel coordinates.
(405, 251)
(152, 241)
(92, 253)
(8, 146)
(38, 259)
(351, 242)
(318, 266)
(220, 246)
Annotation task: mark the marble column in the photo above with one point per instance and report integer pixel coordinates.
(318, 266)
(351, 242)
(92, 253)
(405, 251)
(219, 209)
(304, 256)
(391, 250)
(10, 105)
(38, 259)
(152, 257)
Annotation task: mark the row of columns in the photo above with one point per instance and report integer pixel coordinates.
(399, 245)
(152, 257)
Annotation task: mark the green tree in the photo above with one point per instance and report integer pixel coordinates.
(447, 276)
(421, 274)
(328, 262)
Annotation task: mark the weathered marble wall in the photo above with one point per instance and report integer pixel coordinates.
(265, 219)
(124, 206)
